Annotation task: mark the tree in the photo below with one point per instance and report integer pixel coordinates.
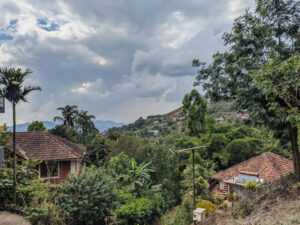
(88, 197)
(69, 113)
(119, 164)
(138, 176)
(13, 89)
(280, 82)
(85, 125)
(97, 151)
(273, 28)
(66, 132)
(36, 126)
(194, 108)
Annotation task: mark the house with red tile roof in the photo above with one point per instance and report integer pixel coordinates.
(264, 168)
(59, 156)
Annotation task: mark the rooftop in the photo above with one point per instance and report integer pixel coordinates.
(268, 165)
(45, 146)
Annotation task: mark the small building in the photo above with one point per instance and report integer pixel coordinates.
(199, 215)
(59, 156)
(264, 168)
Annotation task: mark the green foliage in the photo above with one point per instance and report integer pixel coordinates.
(130, 145)
(194, 108)
(139, 211)
(242, 149)
(208, 205)
(180, 215)
(97, 151)
(119, 164)
(4, 138)
(36, 126)
(69, 113)
(66, 132)
(138, 177)
(12, 84)
(251, 185)
(24, 174)
(201, 186)
(85, 126)
(219, 199)
(87, 198)
(44, 214)
(241, 209)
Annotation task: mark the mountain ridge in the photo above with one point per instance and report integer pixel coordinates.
(101, 125)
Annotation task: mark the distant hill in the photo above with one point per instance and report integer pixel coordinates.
(99, 124)
(161, 125)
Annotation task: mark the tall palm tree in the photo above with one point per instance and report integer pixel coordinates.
(13, 89)
(85, 125)
(69, 113)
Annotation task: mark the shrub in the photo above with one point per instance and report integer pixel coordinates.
(296, 187)
(25, 174)
(242, 209)
(124, 198)
(180, 215)
(208, 205)
(45, 214)
(222, 206)
(139, 211)
(251, 185)
(219, 199)
(88, 198)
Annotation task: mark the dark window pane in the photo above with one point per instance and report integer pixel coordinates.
(49, 169)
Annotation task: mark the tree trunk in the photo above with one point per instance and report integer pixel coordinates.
(14, 153)
(295, 149)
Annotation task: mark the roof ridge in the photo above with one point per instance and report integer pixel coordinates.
(258, 156)
(271, 164)
(262, 155)
(54, 137)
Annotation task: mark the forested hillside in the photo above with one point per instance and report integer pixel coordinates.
(138, 173)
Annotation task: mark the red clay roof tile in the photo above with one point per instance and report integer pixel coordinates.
(269, 166)
(45, 146)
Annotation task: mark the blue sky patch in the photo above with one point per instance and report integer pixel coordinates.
(5, 37)
(47, 26)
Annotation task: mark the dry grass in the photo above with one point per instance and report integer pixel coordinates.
(277, 207)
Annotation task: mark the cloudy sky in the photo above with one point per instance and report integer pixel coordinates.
(117, 59)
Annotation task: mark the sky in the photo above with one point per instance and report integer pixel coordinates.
(118, 59)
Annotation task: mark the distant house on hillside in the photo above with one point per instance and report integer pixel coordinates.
(264, 168)
(59, 156)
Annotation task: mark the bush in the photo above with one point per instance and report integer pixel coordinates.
(251, 185)
(242, 209)
(219, 199)
(208, 205)
(88, 198)
(139, 211)
(222, 206)
(180, 215)
(45, 214)
(25, 174)
(295, 188)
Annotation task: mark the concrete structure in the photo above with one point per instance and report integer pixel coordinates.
(59, 156)
(199, 215)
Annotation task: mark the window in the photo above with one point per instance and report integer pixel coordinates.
(49, 169)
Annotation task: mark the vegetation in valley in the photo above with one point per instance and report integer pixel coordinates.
(131, 176)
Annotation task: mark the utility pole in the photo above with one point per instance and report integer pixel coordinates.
(193, 152)
(193, 169)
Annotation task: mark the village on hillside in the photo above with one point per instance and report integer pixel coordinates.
(150, 113)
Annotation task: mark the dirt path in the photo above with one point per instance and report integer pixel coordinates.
(7, 218)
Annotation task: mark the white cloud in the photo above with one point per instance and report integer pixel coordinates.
(118, 60)
(178, 30)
